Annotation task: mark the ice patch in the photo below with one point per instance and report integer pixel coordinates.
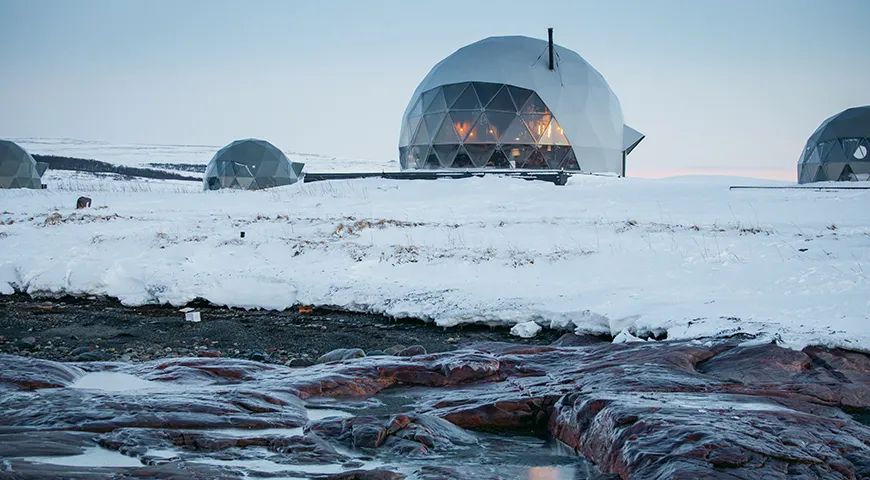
(626, 337)
(93, 457)
(118, 382)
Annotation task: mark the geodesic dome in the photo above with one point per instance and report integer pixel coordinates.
(496, 103)
(250, 165)
(839, 150)
(17, 168)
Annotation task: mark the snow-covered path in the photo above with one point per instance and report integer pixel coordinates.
(683, 255)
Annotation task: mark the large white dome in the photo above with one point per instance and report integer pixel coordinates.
(574, 93)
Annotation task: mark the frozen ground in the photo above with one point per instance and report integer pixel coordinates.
(134, 155)
(684, 256)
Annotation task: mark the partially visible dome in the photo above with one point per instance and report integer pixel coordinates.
(496, 103)
(250, 165)
(17, 168)
(839, 150)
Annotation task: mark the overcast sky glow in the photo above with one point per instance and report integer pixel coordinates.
(717, 86)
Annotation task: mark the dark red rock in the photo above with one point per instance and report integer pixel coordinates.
(208, 354)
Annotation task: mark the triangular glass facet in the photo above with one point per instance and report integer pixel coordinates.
(452, 92)
(536, 123)
(485, 91)
(422, 135)
(462, 122)
(554, 155)
(535, 105)
(434, 102)
(467, 101)
(431, 162)
(536, 160)
(462, 160)
(502, 102)
(433, 123)
(413, 123)
(446, 134)
(500, 121)
(520, 96)
(847, 174)
(517, 133)
(446, 153)
(480, 153)
(517, 154)
(482, 132)
(417, 109)
(554, 135)
(570, 161)
(498, 160)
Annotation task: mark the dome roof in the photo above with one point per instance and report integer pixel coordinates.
(577, 94)
(250, 164)
(839, 150)
(17, 168)
(852, 122)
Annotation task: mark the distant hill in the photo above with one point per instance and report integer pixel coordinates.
(85, 165)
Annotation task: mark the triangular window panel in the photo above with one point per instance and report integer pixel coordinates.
(432, 162)
(482, 132)
(433, 123)
(847, 174)
(517, 133)
(500, 122)
(570, 161)
(446, 153)
(419, 154)
(480, 153)
(850, 146)
(807, 153)
(446, 135)
(517, 154)
(413, 123)
(462, 122)
(554, 135)
(535, 105)
(502, 102)
(835, 153)
(403, 157)
(452, 92)
(520, 96)
(485, 91)
(404, 136)
(417, 109)
(822, 176)
(536, 160)
(498, 160)
(467, 101)
(554, 155)
(422, 136)
(822, 149)
(536, 123)
(462, 160)
(434, 102)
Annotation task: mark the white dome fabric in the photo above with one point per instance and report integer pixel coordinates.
(576, 94)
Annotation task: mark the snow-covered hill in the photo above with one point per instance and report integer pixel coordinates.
(684, 256)
(143, 155)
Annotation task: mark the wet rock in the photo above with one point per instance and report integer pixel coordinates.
(376, 353)
(575, 340)
(208, 354)
(79, 350)
(366, 475)
(259, 357)
(394, 349)
(411, 351)
(20, 373)
(92, 356)
(299, 362)
(26, 343)
(341, 354)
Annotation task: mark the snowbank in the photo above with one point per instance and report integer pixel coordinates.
(602, 255)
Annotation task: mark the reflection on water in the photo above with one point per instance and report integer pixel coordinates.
(552, 473)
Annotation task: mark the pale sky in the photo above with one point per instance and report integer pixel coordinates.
(717, 86)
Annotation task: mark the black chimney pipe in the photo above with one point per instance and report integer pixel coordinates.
(550, 41)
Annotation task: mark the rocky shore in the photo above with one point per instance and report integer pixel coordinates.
(90, 389)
